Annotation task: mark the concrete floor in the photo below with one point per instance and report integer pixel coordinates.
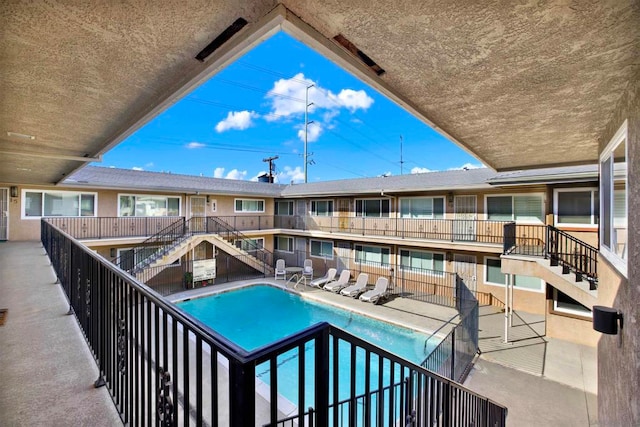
(48, 372)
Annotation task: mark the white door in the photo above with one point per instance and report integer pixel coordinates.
(465, 216)
(198, 206)
(465, 266)
(343, 254)
(301, 214)
(4, 213)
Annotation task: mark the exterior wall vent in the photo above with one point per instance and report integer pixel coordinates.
(224, 36)
(353, 49)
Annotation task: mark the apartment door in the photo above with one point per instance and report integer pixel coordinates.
(301, 213)
(343, 255)
(198, 206)
(465, 216)
(4, 213)
(344, 214)
(465, 266)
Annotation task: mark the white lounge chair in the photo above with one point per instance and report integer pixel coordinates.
(307, 269)
(280, 269)
(378, 292)
(321, 281)
(342, 282)
(359, 287)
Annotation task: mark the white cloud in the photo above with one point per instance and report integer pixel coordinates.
(288, 174)
(232, 174)
(314, 131)
(239, 120)
(195, 144)
(353, 100)
(469, 166)
(236, 174)
(288, 99)
(218, 173)
(137, 168)
(418, 169)
(149, 165)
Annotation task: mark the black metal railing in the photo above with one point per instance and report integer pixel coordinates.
(112, 227)
(163, 367)
(573, 255)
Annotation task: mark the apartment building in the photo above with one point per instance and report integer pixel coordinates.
(415, 228)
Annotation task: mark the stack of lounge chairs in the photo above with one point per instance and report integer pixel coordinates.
(355, 290)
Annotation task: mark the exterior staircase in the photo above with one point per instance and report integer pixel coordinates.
(565, 262)
(178, 239)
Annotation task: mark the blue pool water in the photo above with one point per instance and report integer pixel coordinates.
(259, 315)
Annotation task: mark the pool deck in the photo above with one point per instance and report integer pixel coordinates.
(48, 371)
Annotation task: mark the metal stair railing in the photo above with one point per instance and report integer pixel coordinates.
(162, 241)
(573, 255)
(229, 233)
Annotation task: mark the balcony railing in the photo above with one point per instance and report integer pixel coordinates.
(164, 367)
(450, 230)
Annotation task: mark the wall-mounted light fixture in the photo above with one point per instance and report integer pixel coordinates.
(606, 319)
(449, 256)
(450, 198)
(13, 191)
(112, 252)
(208, 198)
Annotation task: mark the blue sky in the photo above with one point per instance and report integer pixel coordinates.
(254, 109)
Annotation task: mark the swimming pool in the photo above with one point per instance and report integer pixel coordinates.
(258, 315)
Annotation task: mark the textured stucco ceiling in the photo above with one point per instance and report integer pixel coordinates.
(519, 84)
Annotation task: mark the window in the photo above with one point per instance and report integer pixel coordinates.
(284, 244)
(613, 200)
(322, 249)
(249, 205)
(284, 208)
(563, 303)
(374, 208)
(493, 276)
(422, 207)
(420, 261)
(39, 204)
(145, 206)
(322, 207)
(577, 207)
(524, 208)
(250, 245)
(372, 255)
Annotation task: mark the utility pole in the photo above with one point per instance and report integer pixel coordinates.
(306, 127)
(272, 166)
(401, 161)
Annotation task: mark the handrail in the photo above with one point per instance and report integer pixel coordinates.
(572, 254)
(267, 256)
(150, 353)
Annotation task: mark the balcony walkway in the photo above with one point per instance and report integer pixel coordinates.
(47, 371)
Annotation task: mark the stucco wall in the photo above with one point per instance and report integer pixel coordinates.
(619, 360)
(579, 331)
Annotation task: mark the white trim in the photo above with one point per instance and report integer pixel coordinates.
(426, 273)
(42, 191)
(284, 237)
(620, 135)
(362, 245)
(586, 315)
(321, 241)
(177, 196)
(485, 271)
(235, 201)
(333, 208)
(512, 195)
(593, 224)
(8, 206)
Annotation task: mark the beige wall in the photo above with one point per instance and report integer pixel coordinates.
(573, 329)
(619, 357)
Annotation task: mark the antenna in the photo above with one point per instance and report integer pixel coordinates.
(401, 161)
(272, 166)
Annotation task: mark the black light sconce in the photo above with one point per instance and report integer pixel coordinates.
(208, 198)
(450, 198)
(449, 256)
(606, 319)
(13, 191)
(112, 252)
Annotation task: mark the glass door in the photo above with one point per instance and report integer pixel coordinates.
(4, 213)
